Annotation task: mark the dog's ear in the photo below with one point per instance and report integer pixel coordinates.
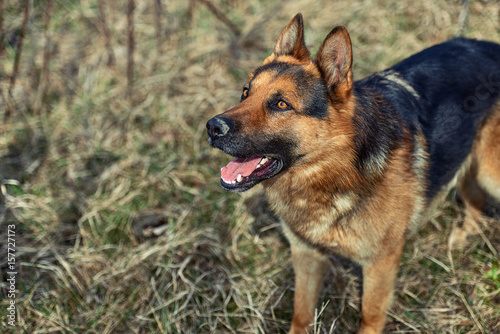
(291, 41)
(334, 60)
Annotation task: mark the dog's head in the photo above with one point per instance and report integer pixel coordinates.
(287, 108)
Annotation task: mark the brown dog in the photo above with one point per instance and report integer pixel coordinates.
(350, 166)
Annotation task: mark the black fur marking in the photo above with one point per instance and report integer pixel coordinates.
(237, 144)
(277, 67)
(315, 95)
(313, 91)
(456, 99)
(280, 147)
(378, 131)
(458, 83)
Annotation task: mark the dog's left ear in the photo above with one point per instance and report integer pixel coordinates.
(291, 41)
(334, 60)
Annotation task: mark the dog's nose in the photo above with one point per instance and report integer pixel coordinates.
(219, 127)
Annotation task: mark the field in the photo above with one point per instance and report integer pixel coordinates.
(113, 193)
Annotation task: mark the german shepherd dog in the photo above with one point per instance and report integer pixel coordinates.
(351, 167)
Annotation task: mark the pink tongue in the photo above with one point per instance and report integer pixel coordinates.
(238, 166)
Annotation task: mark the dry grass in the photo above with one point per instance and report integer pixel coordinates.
(122, 226)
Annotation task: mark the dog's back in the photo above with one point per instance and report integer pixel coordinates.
(446, 92)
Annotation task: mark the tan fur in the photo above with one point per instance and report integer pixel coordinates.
(377, 248)
(481, 176)
(488, 155)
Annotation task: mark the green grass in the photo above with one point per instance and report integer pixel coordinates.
(122, 225)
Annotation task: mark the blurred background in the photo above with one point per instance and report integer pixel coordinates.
(105, 171)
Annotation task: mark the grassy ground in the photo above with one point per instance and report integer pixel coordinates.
(121, 226)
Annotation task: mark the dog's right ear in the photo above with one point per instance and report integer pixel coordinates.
(334, 60)
(291, 42)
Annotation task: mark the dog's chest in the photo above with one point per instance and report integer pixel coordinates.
(321, 221)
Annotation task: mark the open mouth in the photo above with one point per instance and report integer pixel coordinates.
(243, 173)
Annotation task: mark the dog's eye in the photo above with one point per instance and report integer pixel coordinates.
(244, 95)
(282, 105)
(278, 105)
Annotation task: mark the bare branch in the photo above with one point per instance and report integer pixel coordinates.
(2, 47)
(15, 69)
(106, 32)
(45, 73)
(131, 46)
(222, 17)
(158, 16)
(463, 17)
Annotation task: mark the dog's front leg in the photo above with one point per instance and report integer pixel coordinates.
(309, 266)
(379, 277)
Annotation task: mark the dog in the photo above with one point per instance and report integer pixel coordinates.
(351, 167)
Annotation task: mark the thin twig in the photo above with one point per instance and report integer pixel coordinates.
(106, 32)
(189, 13)
(15, 69)
(17, 58)
(220, 15)
(131, 46)
(463, 17)
(2, 47)
(158, 15)
(45, 73)
(469, 309)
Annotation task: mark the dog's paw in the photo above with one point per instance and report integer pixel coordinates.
(368, 330)
(459, 236)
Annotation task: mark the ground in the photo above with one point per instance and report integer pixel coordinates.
(113, 191)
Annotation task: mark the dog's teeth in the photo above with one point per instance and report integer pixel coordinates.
(229, 182)
(259, 165)
(263, 161)
(239, 178)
